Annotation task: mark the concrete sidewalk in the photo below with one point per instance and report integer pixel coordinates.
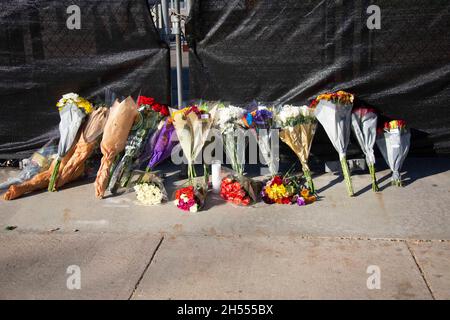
(322, 251)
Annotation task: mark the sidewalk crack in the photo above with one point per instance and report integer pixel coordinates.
(422, 272)
(145, 269)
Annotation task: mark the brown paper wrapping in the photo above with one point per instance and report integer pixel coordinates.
(39, 181)
(117, 128)
(299, 138)
(95, 124)
(73, 164)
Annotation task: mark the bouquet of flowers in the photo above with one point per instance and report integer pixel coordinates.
(298, 127)
(149, 116)
(86, 145)
(235, 188)
(72, 110)
(334, 112)
(261, 122)
(73, 165)
(40, 161)
(393, 142)
(364, 125)
(192, 125)
(286, 190)
(120, 120)
(159, 146)
(190, 198)
(150, 190)
(149, 187)
(239, 190)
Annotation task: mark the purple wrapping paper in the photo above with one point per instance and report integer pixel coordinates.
(159, 147)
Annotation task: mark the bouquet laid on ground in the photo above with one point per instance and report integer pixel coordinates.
(235, 188)
(149, 186)
(394, 141)
(72, 165)
(120, 120)
(150, 190)
(190, 198)
(364, 125)
(40, 161)
(261, 123)
(239, 190)
(86, 145)
(297, 129)
(334, 112)
(159, 146)
(150, 114)
(192, 125)
(72, 111)
(286, 190)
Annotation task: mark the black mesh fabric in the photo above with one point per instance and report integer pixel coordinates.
(117, 47)
(290, 50)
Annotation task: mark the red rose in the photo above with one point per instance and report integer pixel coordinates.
(165, 110)
(277, 180)
(246, 201)
(156, 107)
(145, 100)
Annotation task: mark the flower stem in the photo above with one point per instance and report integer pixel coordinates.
(374, 177)
(54, 177)
(347, 178)
(309, 181)
(191, 173)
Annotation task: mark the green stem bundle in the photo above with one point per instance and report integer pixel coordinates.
(309, 180)
(347, 178)
(374, 177)
(54, 177)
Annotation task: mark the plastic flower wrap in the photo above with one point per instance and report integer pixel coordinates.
(297, 129)
(364, 125)
(159, 146)
(120, 120)
(73, 165)
(394, 142)
(149, 116)
(150, 189)
(72, 111)
(192, 125)
(334, 112)
(260, 122)
(286, 190)
(40, 161)
(235, 188)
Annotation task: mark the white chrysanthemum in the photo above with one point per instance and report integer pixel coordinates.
(228, 116)
(289, 112)
(193, 208)
(70, 96)
(148, 194)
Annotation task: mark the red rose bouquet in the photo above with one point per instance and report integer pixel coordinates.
(150, 114)
(239, 191)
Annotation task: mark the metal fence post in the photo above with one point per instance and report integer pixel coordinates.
(165, 19)
(176, 29)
